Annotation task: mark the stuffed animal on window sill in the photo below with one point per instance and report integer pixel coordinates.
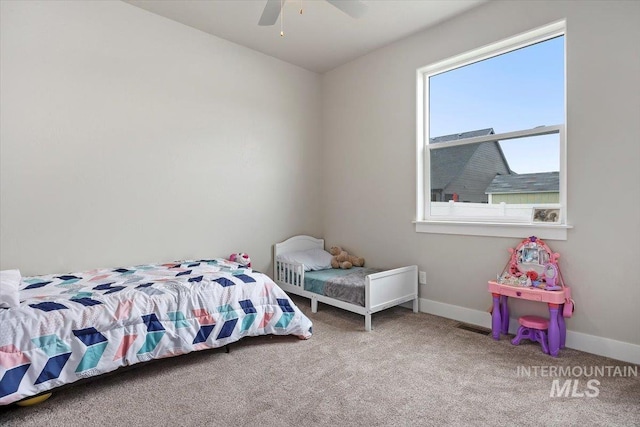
(342, 259)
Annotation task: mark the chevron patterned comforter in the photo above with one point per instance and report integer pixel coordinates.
(79, 325)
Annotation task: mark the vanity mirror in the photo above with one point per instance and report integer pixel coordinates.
(532, 259)
(532, 254)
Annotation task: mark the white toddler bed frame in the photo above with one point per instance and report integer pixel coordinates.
(382, 290)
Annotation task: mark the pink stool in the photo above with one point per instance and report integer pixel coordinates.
(533, 328)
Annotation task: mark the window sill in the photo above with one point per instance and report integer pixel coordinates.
(493, 229)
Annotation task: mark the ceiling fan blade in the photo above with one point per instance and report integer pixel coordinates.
(271, 12)
(353, 8)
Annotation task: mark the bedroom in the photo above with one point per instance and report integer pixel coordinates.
(128, 138)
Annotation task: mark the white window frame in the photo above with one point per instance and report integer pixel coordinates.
(426, 223)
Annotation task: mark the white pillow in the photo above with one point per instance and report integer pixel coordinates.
(313, 259)
(9, 283)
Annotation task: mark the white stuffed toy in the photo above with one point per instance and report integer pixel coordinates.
(241, 258)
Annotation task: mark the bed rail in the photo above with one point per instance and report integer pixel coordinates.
(291, 273)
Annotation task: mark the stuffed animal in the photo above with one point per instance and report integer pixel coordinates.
(342, 259)
(241, 258)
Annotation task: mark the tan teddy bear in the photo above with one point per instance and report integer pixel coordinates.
(341, 259)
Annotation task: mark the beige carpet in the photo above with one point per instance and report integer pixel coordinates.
(412, 369)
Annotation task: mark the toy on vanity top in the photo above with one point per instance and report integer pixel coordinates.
(342, 259)
(241, 258)
(532, 264)
(512, 280)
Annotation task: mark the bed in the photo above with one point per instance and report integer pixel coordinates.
(359, 290)
(73, 326)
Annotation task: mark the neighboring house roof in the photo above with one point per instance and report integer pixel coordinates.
(543, 182)
(449, 163)
(463, 135)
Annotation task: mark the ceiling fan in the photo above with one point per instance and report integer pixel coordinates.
(271, 12)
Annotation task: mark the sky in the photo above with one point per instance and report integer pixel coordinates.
(518, 90)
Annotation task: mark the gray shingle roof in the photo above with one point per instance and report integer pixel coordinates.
(543, 182)
(463, 135)
(448, 163)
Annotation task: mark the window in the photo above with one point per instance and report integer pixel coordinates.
(491, 139)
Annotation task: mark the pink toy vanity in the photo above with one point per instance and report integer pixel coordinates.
(532, 274)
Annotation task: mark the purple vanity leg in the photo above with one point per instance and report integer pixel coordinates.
(505, 314)
(562, 326)
(495, 317)
(554, 330)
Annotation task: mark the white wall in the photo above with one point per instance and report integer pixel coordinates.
(369, 155)
(128, 138)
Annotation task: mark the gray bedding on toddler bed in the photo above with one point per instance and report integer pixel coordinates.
(344, 285)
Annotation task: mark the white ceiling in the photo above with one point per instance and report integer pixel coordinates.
(320, 39)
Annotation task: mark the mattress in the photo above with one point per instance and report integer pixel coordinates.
(78, 325)
(345, 285)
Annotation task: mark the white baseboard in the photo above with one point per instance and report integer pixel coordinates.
(618, 350)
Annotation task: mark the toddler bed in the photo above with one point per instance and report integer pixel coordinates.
(300, 268)
(62, 328)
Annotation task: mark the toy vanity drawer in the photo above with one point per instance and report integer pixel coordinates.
(522, 293)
